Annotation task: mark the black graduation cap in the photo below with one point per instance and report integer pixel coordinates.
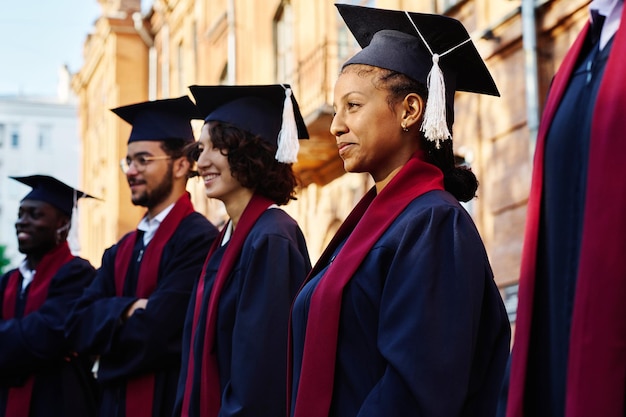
(52, 191)
(268, 111)
(417, 45)
(160, 119)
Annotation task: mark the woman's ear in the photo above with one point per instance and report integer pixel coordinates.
(412, 110)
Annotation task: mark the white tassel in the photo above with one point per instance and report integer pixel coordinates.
(288, 145)
(434, 124)
(74, 224)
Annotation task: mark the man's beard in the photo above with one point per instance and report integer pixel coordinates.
(152, 198)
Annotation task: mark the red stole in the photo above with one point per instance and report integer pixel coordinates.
(210, 390)
(19, 398)
(363, 228)
(140, 390)
(596, 371)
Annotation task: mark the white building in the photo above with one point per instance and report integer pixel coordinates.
(37, 136)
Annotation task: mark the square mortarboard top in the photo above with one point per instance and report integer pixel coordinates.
(160, 120)
(52, 191)
(268, 111)
(383, 36)
(434, 50)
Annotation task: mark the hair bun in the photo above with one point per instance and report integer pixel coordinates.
(461, 183)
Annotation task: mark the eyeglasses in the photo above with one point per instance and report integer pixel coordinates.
(140, 161)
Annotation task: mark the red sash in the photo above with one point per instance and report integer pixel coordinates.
(210, 390)
(363, 228)
(18, 401)
(597, 353)
(140, 390)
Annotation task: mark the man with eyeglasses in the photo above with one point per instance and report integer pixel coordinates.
(131, 317)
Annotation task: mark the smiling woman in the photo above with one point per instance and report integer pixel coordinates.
(363, 114)
(236, 329)
(401, 315)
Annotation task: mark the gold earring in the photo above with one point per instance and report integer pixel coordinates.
(404, 128)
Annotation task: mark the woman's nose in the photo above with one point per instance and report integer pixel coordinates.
(337, 127)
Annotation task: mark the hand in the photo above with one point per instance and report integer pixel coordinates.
(140, 303)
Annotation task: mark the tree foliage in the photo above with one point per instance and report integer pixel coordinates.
(4, 261)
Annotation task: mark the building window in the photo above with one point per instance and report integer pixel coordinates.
(224, 75)
(283, 43)
(464, 158)
(346, 44)
(45, 137)
(15, 136)
(445, 5)
(180, 67)
(509, 296)
(194, 40)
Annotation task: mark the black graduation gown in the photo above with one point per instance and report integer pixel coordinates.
(423, 330)
(565, 180)
(150, 340)
(253, 313)
(35, 345)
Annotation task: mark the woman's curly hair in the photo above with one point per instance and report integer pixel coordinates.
(459, 181)
(252, 163)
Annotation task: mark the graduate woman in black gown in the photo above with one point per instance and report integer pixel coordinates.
(401, 315)
(235, 337)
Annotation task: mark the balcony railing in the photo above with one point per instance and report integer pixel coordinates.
(314, 78)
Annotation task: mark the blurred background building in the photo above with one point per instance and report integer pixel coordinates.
(37, 135)
(136, 54)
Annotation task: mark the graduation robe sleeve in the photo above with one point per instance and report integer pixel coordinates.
(32, 342)
(149, 339)
(275, 262)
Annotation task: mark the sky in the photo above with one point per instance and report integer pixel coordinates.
(37, 37)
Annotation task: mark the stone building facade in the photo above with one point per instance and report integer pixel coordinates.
(134, 56)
